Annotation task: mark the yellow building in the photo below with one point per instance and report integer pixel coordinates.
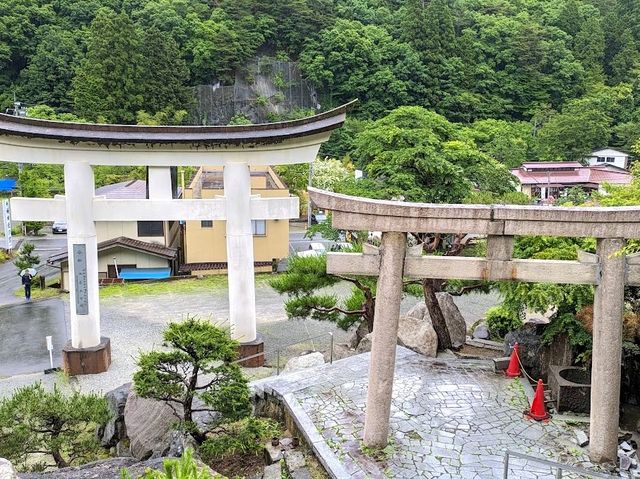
(204, 242)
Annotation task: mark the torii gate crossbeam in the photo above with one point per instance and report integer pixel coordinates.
(79, 147)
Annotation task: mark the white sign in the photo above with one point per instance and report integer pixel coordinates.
(50, 348)
(6, 221)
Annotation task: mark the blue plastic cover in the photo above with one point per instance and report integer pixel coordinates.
(145, 273)
(8, 184)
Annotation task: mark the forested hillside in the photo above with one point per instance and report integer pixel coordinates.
(524, 74)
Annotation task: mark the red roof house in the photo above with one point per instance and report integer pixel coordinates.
(546, 179)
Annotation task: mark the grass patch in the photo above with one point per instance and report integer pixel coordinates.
(190, 285)
(37, 293)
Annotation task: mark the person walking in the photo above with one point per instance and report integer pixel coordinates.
(26, 282)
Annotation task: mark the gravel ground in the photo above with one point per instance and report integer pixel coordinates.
(135, 324)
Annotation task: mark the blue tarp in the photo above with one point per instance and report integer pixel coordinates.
(145, 273)
(8, 184)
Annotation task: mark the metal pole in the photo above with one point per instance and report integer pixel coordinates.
(559, 473)
(331, 353)
(277, 362)
(505, 475)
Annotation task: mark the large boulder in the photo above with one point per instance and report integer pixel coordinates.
(535, 355)
(365, 344)
(149, 426)
(115, 430)
(456, 324)
(358, 334)
(418, 335)
(106, 469)
(305, 361)
(6, 470)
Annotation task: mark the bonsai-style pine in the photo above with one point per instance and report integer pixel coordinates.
(35, 421)
(199, 365)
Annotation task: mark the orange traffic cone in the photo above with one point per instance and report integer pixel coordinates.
(513, 371)
(538, 410)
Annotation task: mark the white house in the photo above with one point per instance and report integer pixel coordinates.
(610, 158)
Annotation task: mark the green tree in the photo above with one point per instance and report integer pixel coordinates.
(198, 364)
(363, 61)
(106, 86)
(164, 74)
(414, 154)
(26, 258)
(35, 422)
(303, 283)
(47, 78)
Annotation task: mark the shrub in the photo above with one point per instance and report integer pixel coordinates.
(62, 426)
(243, 437)
(183, 468)
(199, 364)
(501, 321)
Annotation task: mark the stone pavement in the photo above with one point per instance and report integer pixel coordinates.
(23, 331)
(449, 419)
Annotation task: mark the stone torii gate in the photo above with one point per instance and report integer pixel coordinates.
(79, 147)
(608, 271)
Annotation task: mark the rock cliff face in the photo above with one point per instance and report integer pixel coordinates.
(266, 90)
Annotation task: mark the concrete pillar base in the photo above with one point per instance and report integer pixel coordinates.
(249, 349)
(77, 361)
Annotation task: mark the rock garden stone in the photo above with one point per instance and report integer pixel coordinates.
(272, 454)
(6, 470)
(115, 430)
(301, 474)
(149, 426)
(481, 331)
(273, 471)
(107, 469)
(581, 438)
(417, 335)
(365, 344)
(180, 442)
(361, 331)
(456, 324)
(310, 360)
(294, 460)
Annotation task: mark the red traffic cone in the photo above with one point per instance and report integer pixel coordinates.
(513, 371)
(538, 410)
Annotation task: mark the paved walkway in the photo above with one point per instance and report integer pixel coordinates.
(23, 331)
(135, 324)
(449, 419)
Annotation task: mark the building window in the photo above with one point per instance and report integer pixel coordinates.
(601, 159)
(610, 159)
(259, 227)
(150, 228)
(206, 224)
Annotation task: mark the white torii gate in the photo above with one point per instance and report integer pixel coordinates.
(80, 146)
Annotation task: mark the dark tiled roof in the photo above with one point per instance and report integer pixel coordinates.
(124, 242)
(126, 190)
(189, 267)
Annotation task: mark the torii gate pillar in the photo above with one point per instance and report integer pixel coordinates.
(86, 352)
(242, 295)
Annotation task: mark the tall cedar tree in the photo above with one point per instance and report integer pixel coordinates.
(107, 85)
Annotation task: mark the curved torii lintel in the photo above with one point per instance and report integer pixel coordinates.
(355, 213)
(25, 140)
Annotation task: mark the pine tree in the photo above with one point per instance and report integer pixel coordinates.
(26, 258)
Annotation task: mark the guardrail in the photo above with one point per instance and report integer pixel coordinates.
(279, 350)
(554, 465)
